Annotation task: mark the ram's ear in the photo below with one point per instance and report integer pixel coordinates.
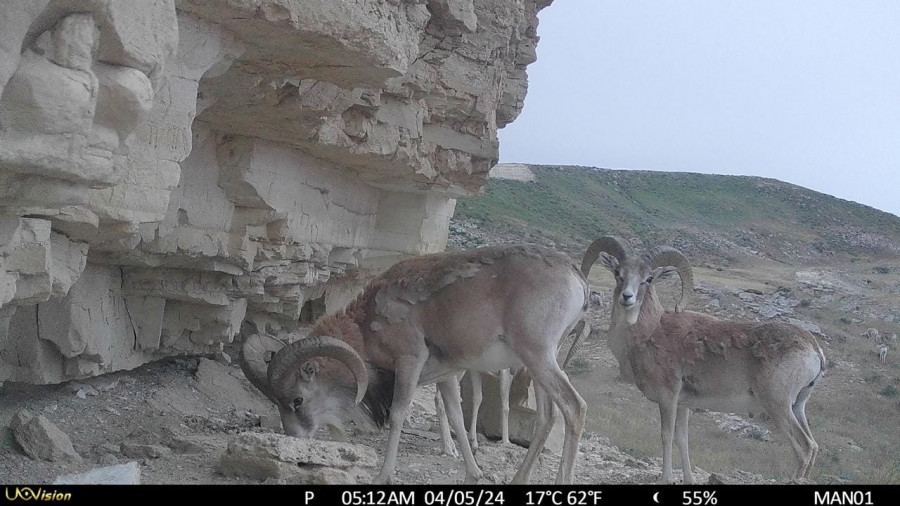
(608, 261)
(308, 370)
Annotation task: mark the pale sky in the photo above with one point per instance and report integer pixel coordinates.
(805, 91)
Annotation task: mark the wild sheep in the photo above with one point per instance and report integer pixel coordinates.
(422, 321)
(871, 334)
(882, 353)
(682, 360)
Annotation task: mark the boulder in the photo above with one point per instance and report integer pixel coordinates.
(41, 439)
(288, 459)
(120, 474)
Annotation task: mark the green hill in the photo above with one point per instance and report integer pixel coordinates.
(700, 213)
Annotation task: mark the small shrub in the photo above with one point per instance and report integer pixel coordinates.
(580, 365)
(874, 378)
(760, 434)
(882, 269)
(805, 303)
(846, 320)
(889, 391)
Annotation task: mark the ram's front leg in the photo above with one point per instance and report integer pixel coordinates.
(444, 426)
(407, 371)
(477, 393)
(450, 392)
(668, 408)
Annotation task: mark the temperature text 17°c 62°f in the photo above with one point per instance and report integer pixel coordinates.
(562, 498)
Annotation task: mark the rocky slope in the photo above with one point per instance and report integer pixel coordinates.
(172, 172)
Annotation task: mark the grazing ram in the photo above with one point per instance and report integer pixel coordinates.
(425, 320)
(682, 360)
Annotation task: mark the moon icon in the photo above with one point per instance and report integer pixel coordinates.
(656, 498)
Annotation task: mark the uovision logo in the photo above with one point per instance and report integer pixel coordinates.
(35, 494)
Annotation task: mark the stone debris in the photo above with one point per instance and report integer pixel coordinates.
(144, 451)
(83, 390)
(40, 439)
(119, 474)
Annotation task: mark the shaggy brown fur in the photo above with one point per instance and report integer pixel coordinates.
(411, 280)
(427, 318)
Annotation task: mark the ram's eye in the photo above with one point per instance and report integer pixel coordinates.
(649, 280)
(617, 273)
(297, 403)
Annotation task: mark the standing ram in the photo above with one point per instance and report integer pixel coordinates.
(424, 320)
(682, 360)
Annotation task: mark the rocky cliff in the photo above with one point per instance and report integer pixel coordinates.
(175, 173)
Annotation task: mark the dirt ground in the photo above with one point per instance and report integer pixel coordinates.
(194, 407)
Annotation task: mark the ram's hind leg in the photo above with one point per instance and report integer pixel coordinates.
(804, 447)
(799, 410)
(450, 392)
(542, 426)
(549, 377)
(505, 381)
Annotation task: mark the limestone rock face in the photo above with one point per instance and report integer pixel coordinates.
(174, 173)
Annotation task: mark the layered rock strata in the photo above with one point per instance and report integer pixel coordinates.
(175, 173)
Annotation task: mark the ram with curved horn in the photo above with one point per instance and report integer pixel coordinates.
(424, 320)
(683, 360)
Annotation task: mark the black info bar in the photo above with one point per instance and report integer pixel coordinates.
(460, 495)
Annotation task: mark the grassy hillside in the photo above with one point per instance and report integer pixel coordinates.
(782, 221)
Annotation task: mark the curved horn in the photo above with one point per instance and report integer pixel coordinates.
(256, 353)
(667, 256)
(611, 244)
(292, 356)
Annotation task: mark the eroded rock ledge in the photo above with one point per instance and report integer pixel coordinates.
(175, 173)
